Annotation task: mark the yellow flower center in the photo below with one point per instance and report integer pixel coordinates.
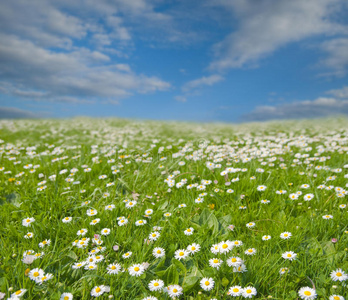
(98, 289)
(307, 293)
(136, 269)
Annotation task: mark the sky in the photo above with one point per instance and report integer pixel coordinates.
(197, 60)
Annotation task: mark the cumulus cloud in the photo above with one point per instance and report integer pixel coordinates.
(267, 25)
(320, 107)
(16, 113)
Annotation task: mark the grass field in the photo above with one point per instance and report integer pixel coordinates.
(144, 210)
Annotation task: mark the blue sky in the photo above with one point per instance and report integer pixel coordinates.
(224, 61)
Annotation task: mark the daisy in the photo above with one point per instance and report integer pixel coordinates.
(207, 284)
(327, 217)
(36, 274)
(105, 231)
(97, 291)
(234, 261)
(91, 212)
(307, 293)
(136, 270)
(235, 291)
(240, 269)
(249, 292)
(308, 197)
(18, 293)
(156, 285)
(94, 222)
(131, 204)
(193, 248)
(290, 255)
(127, 254)
(251, 225)
(261, 188)
(285, 235)
(266, 237)
(215, 263)
(153, 236)
(158, 252)
(181, 254)
(250, 251)
(189, 231)
(338, 275)
(140, 222)
(174, 290)
(66, 296)
(27, 221)
(122, 222)
(336, 297)
(225, 247)
(283, 271)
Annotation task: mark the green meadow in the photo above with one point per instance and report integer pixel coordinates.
(122, 209)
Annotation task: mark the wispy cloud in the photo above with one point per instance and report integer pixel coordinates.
(267, 25)
(203, 81)
(16, 113)
(320, 107)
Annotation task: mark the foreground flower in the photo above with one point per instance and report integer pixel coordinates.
(18, 293)
(235, 291)
(290, 255)
(307, 293)
(66, 296)
(158, 252)
(207, 284)
(174, 290)
(249, 292)
(336, 297)
(99, 290)
(156, 285)
(338, 275)
(136, 270)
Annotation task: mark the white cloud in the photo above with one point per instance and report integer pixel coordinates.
(337, 60)
(203, 81)
(26, 66)
(320, 107)
(339, 93)
(267, 25)
(16, 113)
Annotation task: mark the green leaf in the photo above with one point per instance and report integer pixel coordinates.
(190, 282)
